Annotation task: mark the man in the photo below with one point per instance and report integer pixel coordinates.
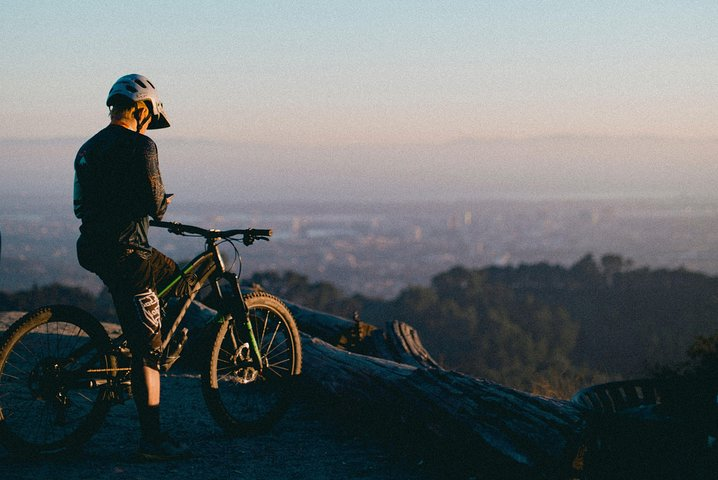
(117, 188)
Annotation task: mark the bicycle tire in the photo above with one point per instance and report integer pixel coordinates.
(240, 403)
(46, 401)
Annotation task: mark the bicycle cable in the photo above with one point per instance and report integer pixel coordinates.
(237, 257)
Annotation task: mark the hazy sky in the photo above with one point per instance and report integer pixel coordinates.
(335, 74)
(325, 72)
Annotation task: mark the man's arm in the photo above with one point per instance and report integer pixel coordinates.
(156, 200)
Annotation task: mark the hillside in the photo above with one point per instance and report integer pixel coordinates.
(540, 327)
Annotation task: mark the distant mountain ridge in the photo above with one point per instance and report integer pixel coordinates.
(559, 166)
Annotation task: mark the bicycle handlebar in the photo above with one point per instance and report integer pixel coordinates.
(249, 235)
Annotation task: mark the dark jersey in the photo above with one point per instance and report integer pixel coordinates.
(117, 188)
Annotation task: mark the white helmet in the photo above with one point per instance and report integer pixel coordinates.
(138, 88)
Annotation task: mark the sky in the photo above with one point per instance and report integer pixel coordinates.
(361, 86)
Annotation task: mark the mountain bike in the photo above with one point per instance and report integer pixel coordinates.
(60, 372)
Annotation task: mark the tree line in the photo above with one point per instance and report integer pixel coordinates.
(545, 328)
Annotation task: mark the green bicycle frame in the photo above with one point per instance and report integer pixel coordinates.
(209, 267)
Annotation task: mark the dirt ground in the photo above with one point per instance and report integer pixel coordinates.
(303, 444)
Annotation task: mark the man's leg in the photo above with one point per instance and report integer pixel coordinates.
(154, 444)
(141, 322)
(146, 393)
(152, 380)
(145, 364)
(139, 316)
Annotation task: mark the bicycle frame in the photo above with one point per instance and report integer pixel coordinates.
(206, 267)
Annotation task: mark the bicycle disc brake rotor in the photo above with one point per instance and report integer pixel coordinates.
(245, 372)
(47, 382)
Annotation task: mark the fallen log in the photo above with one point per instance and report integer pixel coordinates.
(398, 341)
(482, 428)
(386, 378)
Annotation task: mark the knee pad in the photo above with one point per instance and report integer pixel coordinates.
(147, 309)
(148, 312)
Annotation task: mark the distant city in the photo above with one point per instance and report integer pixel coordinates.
(378, 249)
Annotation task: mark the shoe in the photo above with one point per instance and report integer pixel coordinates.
(163, 448)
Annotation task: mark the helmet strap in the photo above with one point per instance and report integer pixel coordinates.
(138, 120)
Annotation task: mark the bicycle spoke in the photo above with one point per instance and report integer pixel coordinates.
(17, 354)
(260, 339)
(275, 369)
(227, 353)
(230, 371)
(79, 351)
(31, 352)
(271, 353)
(71, 340)
(274, 335)
(225, 377)
(10, 376)
(232, 336)
(84, 397)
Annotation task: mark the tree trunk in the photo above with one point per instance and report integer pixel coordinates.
(385, 378)
(398, 342)
(483, 427)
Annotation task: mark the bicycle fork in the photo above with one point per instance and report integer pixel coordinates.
(250, 350)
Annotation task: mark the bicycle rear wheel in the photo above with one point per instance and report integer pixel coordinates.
(55, 364)
(242, 398)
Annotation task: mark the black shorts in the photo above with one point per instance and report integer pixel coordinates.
(133, 278)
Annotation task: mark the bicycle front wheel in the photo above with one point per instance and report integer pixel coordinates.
(242, 397)
(54, 365)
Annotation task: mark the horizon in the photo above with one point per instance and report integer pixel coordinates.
(552, 167)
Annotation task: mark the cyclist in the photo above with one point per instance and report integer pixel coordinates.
(117, 188)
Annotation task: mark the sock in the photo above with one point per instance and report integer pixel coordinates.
(149, 421)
